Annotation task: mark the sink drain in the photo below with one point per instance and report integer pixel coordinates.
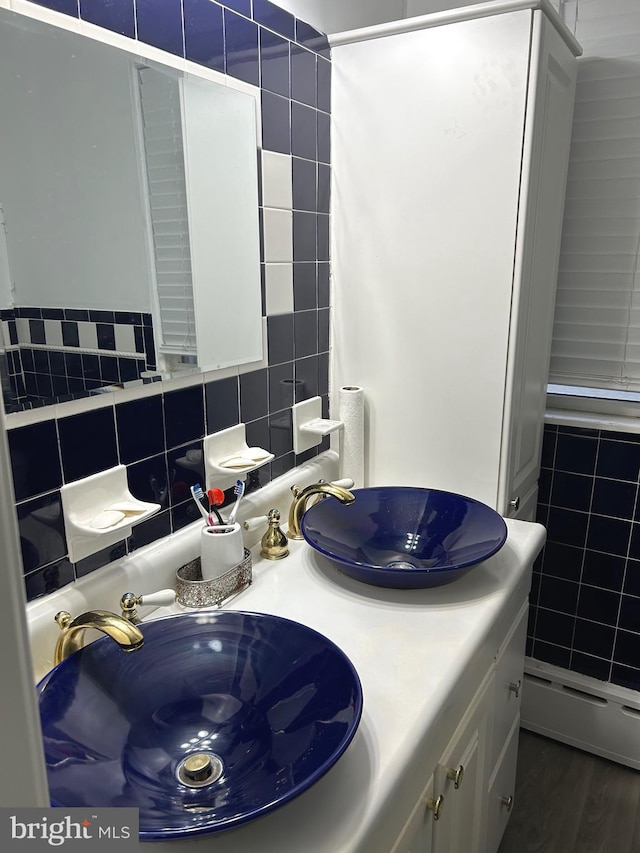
(199, 769)
(401, 564)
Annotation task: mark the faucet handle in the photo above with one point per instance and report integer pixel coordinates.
(130, 602)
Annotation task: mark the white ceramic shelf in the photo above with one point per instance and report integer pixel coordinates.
(228, 458)
(309, 427)
(100, 511)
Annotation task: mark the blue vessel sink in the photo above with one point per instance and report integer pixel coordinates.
(217, 720)
(404, 537)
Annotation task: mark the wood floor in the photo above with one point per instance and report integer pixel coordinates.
(569, 801)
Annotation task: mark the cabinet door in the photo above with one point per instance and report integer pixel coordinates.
(460, 778)
(544, 174)
(416, 837)
(501, 791)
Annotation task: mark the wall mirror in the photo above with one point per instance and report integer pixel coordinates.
(129, 230)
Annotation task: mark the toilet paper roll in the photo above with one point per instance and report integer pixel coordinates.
(221, 549)
(351, 406)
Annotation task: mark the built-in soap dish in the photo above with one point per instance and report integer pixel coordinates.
(228, 457)
(193, 591)
(100, 511)
(309, 427)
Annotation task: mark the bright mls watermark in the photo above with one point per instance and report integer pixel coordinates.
(69, 829)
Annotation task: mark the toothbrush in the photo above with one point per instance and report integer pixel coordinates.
(216, 498)
(238, 490)
(197, 494)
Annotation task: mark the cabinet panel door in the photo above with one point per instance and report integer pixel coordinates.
(501, 792)
(460, 778)
(544, 175)
(416, 837)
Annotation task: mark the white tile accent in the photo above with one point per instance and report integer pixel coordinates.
(23, 331)
(88, 335)
(276, 180)
(279, 288)
(278, 235)
(125, 338)
(53, 333)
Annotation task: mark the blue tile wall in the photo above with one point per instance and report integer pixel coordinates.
(159, 437)
(585, 601)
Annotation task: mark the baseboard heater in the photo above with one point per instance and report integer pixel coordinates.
(593, 715)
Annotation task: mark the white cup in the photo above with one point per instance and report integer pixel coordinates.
(221, 549)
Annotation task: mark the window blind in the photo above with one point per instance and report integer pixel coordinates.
(165, 172)
(596, 337)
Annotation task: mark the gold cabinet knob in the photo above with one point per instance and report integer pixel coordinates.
(514, 687)
(507, 802)
(435, 806)
(456, 774)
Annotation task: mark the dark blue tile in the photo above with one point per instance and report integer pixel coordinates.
(594, 667)
(204, 33)
(567, 527)
(306, 375)
(324, 137)
(274, 17)
(594, 639)
(323, 380)
(275, 70)
(629, 617)
(281, 433)
(254, 401)
(303, 180)
(102, 316)
(305, 333)
(558, 594)
(619, 460)
(323, 236)
(304, 236)
(626, 676)
(78, 314)
(140, 428)
(36, 332)
(324, 188)
(276, 123)
(627, 648)
(70, 335)
(614, 498)
(35, 460)
(91, 366)
(283, 464)
(609, 535)
(241, 48)
(258, 436)
(571, 491)
(87, 443)
(303, 75)
(242, 6)
(160, 24)
(109, 369)
(603, 570)
(222, 404)
(304, 286)
(130, 368)
(280, 338)
(576, 454)
(100, 559)
(598, 605)
(148, 479)
(554, 627)
(67, 7)
(582, 432)
(116, 15)
(184, 415)
(281, 387)
(551, 653)
(634, 543)
(106, 335)
(49, 579)
(632, 578)
(41, 530)
(323, 285)
(324, 85)
(154, 528)
(304, 131)
(312, 38)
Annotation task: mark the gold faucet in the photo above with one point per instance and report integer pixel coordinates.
(301, 498)
(123, 632)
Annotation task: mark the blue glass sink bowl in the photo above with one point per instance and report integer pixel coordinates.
(276, 701)
(404, 537)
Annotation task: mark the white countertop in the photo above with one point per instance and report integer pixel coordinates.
(412, 649)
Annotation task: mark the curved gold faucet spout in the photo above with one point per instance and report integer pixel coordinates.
(301, 498)
(121, 631)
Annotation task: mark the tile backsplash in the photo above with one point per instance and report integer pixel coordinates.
(585, 613)
(261, 44)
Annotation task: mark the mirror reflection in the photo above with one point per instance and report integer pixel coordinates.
(129, 242)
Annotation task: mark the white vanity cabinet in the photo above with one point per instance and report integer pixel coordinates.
(465, 805)
(450, 147)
